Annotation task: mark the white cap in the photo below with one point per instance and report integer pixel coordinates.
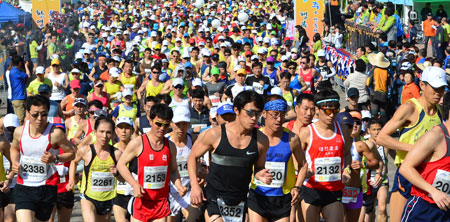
(116, 58)
(124, 119)
(114, 72)
(321, 53)
(40, 70)
(435, 76)
(140, 32)
(165, 43)
(220, 29)
(241, 59)
(92, 27)
(11, 120)
(284, 58)
(178, 40)
(135, 26)
(74, 70)
(197, 82)
(118, 32)
(266, 40)
(366, 114)
(259, 39)
(181, 114)
(178, 81)
(137, 39)
(269, 26)
(126, 32)
(87, 51)
(153, 34)
(254, 31)
(274, 41)
(276, 91)
(261, 51)
(254, 57)
(127, 92)
(206, 52)
(243, 28)
(186, 55)
(78, 55)
(201, 30)
(104, 35)
(223, 44)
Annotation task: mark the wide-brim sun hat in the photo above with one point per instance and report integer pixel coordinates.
(378, 60)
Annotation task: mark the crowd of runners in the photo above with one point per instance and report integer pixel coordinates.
(176, 111)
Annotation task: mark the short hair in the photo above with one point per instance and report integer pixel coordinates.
(374, 121)
(101, 119)
(360, 65)
(389, 11)
(327, 94)
(257, 64)
(392, 43)
(150, 99)
(95, 103)
(292, 64)
(363, 49)
(198, 93)
(285, 74)
(37, 100)
(157, 67)
(163, 97)
(15, 60)
(162, 111)
(307, 58)
(148, 50)
(274, 97)
(304, 96)
(129, 61)
(248, 96)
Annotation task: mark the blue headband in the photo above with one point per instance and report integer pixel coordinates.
(276, 105)
(327, 100)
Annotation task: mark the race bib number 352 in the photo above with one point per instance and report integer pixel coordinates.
(327, 169)
(155, 177)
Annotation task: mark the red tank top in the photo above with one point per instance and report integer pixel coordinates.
(102, 99)
(63, 179)
(325, 157)
(290, 125)
(153, 170)
(436, 173)
(309, 80)
(89, 127)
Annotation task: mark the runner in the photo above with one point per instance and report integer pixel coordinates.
(34, 153)
(127, 108)
(87, 127)
(124, 131)
(153, 159)
(79, 118)
(327, 149)
(233, 161)
(183, 141)
(413, 119)
(98, 184)
(273, 202)
(362, 160)
(142, 124)
(5, 175)
(309, 75)
(427, 167)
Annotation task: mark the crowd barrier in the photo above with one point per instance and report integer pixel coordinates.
(341, 61)
(358, 35)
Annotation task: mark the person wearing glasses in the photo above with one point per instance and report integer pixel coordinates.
(156, 166)
(352, 194)
(234, 159)
(309, 74)
(327, 146)
(153, 86)
(99, 180)
(59, 80)
(273, 202)
(99, 95)
(87, 127)
(34, 153)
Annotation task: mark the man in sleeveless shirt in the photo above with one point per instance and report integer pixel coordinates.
(413, 118)
(273, 202)
(327, 148)
(155, 162)
(233, 159)
(34, 152)
(142, 124)
(427, 168)
(87, 127)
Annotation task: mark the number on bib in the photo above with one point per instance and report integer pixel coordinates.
(350, 194)
(182, 166)
(442, 181)
(231, 213)
(327, 169)
(102, 181)
(33, 169)
(155, 177)
(277, 169)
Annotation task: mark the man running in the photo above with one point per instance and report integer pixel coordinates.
(327, 148)
(427, 167)
(34, 153)
(413, 118)
(273, 202)
(142, 124)
(153, 160)
(98, 184)
(233, 161)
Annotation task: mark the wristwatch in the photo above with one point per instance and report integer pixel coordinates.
(299, 189)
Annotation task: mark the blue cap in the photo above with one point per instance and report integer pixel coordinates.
(182, 24)
(344, 118)
(225, 108)
(155, 26)
(44, 88)
(188, 65)
(186, 34)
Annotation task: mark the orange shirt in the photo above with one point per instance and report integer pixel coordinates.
(105, 75)
(410, 90)
(380, 79)
(428, 29)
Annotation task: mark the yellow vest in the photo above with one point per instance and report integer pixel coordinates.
(153, 90)
(127, 113)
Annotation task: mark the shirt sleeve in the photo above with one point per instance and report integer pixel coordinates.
(389, 22)
(115, 112)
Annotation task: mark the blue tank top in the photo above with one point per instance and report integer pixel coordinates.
(272, 75)
(203, 68)
(53, 111)
(295, 84)
(277, 161)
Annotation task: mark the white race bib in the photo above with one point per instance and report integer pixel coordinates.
(214, 100)
(33, 169)
(182, 166)
(147, 71)
(147, 129)
(324, 74)
(327, 169)
(231, 213)
(155, 177)
(202, 126)
(442, 181)
(277, 169)
(258, 88)
(350, 194)
(129, 86)
(102, 181)
(121, 186)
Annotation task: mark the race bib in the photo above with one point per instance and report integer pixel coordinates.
(61, 173)
(147, 71)
(258, 88)
(102, 181)
(324, 74)
(350, 194)
(277, 169)
(327, 169)
(155, 177)
(129, 86)
(214, 100)
(231, 213)
(202, 126)
(121, 186)
(33, 169)
(182, 166)
(442, 181)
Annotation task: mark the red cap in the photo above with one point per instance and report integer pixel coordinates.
(191, 41)
(248, 53)
(75, 84)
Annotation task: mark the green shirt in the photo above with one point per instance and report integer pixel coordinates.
(390, 21)
(317, 46)
(34, 86)
(33, 51)
(364, 58)
(446, 32)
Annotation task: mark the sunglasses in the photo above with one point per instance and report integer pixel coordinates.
(329, 111)
(161, 124)
(302, 62)
(357, 122)
(252, 113)
(179, 87)
(155, 72)
(55, 65)
(36, 115)
(292, 68)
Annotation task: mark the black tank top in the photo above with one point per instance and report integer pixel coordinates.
(231, 169)
(99, 71)
(143, 123)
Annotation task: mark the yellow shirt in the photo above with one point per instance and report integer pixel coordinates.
(34, 85)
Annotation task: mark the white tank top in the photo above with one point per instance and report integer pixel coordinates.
(33, 172)
(184, 102)
(57, 92)
(182, 156)
(354, 152)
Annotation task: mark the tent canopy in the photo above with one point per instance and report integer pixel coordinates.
(10, 13)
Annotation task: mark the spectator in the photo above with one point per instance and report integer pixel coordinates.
(410, 89)
(439, 39)
(440, 13)
(389, 25)
(378, 85)
(358, 80)
(426, 11)
(18, 80)
(412, 32)
(429, 32)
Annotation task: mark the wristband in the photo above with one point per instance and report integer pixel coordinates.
(299, 189)
(347, 169)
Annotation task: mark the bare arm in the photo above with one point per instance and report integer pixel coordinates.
(91, 75)
(261, 173)
(77, 138)
(299, 155)
(59, 139)
(174, 174)
(133, 149)
(372, 161)
(14, 150)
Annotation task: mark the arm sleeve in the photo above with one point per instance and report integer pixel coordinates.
(389, 22)
(115, 112)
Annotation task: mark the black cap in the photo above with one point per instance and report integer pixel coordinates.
(430, 14)
(352, 92)
(344, 118)
(215, 57)
(44, 88)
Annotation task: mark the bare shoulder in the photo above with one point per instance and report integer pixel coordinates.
(18, 132)
(262, 138)
(304, 133)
